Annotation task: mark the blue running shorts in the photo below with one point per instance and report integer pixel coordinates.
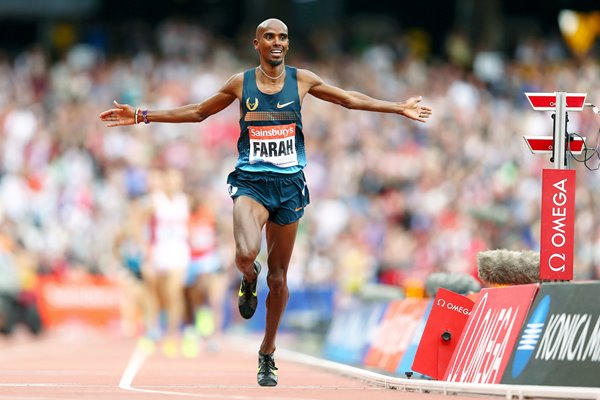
(283, 195)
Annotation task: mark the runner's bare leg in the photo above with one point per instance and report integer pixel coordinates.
(249, 217)
(280, 244)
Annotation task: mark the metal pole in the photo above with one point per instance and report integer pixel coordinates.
(559, 148)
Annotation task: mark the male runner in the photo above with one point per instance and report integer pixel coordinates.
(267, 185)
(167, 214)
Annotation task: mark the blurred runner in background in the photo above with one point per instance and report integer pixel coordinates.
(206, 282)
(167, 214)
(130, 250)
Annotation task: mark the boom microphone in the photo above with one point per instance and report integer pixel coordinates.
(458, 283)
(505, 267)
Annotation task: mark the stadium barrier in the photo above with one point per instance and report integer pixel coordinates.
(540, 335)
(559, 344)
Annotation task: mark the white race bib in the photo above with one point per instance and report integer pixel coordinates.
(273, 144)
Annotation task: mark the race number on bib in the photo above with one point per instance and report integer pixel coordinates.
(273, 144)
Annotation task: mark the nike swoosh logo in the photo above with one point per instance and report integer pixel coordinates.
(240, 293)
(284, 104)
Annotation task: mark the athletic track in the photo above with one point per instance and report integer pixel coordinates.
(92, 366)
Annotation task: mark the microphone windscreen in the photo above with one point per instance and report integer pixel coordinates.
(458, 283)
(505, 267)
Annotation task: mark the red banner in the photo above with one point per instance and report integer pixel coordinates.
(449, 314)
(545, 144)
(547, 101)
(489, 336)
(558, 223)
(88, 300)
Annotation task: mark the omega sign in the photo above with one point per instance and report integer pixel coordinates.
(490, 334)
(453, 307)
(558, 215)
(480, 355)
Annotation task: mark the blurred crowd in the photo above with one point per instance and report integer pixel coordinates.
(392, 200)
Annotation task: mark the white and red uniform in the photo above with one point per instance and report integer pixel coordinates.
(170, 246)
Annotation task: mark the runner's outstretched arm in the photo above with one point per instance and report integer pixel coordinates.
(409, 108)
(124, 114)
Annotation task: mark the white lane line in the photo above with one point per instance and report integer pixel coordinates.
(135, 363)
(139, 357)
(215, 396)
(137, 360)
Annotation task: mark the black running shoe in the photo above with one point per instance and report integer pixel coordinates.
(267, 371)
(247, 298)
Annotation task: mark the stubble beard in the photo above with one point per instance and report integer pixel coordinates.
(275, 63)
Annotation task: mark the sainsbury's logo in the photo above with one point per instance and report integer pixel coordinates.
(530, 337)
(271, 132)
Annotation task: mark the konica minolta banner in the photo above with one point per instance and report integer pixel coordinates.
(559, 344)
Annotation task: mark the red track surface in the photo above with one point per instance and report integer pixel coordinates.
(91, 367)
